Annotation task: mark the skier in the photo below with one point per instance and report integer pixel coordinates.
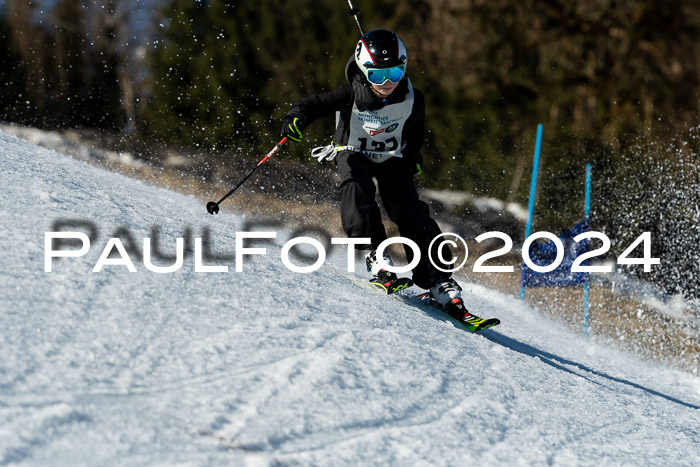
(380, 121)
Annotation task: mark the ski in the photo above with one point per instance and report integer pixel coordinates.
(391, 285)
(459, 314)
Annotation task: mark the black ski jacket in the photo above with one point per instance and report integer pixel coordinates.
(357, 90)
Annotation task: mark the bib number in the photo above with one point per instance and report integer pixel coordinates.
(390, 144)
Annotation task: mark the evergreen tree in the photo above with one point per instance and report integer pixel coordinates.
(68, 81)
(224, 72)
(14, 106)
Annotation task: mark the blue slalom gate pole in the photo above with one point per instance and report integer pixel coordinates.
(531, 202)
(587, 215)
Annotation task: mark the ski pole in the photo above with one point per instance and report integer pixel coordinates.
(213, 207)
(356, 12)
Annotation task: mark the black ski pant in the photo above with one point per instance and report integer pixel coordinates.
(361, 216)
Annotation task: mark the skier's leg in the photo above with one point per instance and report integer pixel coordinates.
(359, 211)
(412, 216)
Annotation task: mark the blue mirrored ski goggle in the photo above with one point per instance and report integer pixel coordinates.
(380, 76)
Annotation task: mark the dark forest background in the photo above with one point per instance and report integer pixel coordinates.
(615, 84)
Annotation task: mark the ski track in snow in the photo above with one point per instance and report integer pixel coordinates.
(269, 366)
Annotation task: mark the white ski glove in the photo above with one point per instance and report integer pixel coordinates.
(322, 153)
(328, 153)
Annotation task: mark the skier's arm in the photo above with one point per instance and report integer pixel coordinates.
(414, 133)
(314, 107)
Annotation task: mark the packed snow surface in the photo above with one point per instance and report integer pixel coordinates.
(267, 365)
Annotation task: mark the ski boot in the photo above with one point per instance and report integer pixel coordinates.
(383, 279)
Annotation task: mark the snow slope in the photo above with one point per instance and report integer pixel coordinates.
(270, 366)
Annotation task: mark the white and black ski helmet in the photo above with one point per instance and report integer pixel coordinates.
(380, 48)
